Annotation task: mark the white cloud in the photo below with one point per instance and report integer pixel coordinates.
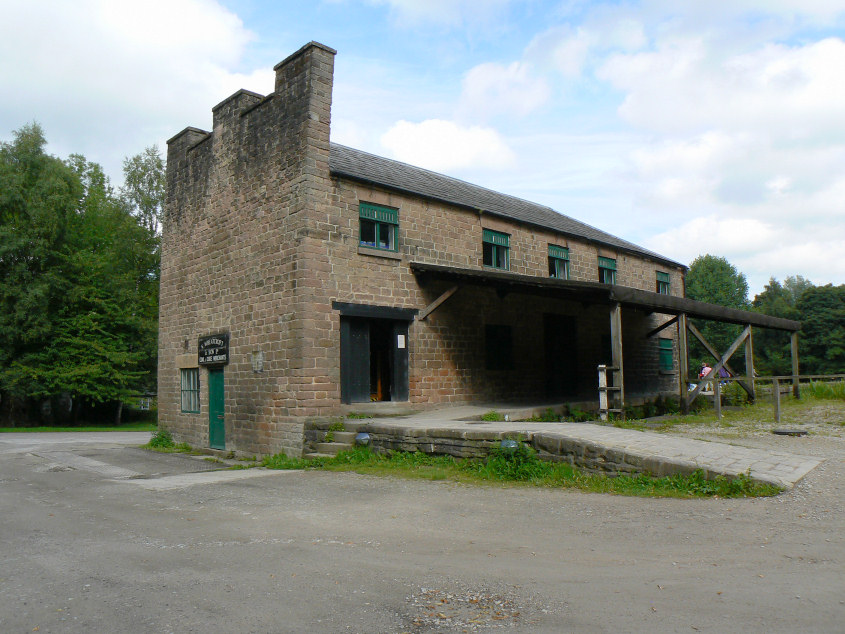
(686, 86)
(569, 49)
(490, 89)
(133, 73)
(451, 13)
(443, 145)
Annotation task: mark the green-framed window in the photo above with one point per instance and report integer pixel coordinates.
(498, 347)
(607, 270)
(667, 360)
(378, 226)
(496, 248)
(663, 283)
(558, 262)
(190, 383)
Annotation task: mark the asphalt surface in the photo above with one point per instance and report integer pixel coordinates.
(97, 536)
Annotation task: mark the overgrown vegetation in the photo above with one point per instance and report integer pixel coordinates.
(162, 441)
(336, 426)
(826, 390)
(492, 416)
(521, 466)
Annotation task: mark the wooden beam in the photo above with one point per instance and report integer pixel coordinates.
(695, 331)
(425, 312)
(714, 373)
(796, 390)
(653, 332)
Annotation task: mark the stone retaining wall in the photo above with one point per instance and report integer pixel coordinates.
(477, 443)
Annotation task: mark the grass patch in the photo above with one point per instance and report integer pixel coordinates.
(826, 390)
(521, 467)
(141, 426)
(492, 416)
(358, 416)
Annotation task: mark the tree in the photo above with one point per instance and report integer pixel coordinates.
(78, 279)
(714, 280)
(143, 189)
(822, 310)
(772, 348)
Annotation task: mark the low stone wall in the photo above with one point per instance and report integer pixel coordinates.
(472, 443)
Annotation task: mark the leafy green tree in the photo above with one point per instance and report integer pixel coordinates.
(78, 279)
(822, 310)
(714, 280)
(143, 188)
(772, 348)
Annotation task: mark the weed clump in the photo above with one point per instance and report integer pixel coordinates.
(516, 464)
(162, 439)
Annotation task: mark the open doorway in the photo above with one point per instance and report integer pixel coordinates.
(373, 360)
(381, 359)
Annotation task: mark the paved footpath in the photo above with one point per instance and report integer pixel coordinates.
(660, 454)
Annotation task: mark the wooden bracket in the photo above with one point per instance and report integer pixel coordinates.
(425, 312)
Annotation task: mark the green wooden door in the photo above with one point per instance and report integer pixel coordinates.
(216, 407)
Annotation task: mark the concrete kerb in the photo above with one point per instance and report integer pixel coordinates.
(595, 448)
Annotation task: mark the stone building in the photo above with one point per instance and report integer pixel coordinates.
(302, 279)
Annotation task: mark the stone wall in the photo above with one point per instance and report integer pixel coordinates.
(235, 238)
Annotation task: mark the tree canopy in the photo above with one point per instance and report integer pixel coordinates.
(714, 280)
(78, 279)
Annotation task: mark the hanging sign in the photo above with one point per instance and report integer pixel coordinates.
(213, 350)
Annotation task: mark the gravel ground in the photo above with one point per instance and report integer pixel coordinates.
(820, 494)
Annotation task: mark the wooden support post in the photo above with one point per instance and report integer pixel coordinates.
(776, 398)
(603, 406)
(749, 363)
(683, 363)
(796, 390)
(717, 397)
(616, 341)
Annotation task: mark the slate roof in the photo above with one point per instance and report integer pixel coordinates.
(369, 168)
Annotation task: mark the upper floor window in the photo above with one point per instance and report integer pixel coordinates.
(378, 227)
(662, 283)
(558, 262)
(496, 246)
(607, 270)
(190, 383)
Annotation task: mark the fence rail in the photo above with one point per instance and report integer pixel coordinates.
(794, 380)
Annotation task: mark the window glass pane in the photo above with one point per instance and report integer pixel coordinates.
(190, 384)
(368, 233)
(488, 254)
(385, 236)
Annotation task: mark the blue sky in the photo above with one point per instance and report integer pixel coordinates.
(686, 127)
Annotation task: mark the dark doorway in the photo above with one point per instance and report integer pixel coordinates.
(559, 336)
(381, 359)
(373, 360)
